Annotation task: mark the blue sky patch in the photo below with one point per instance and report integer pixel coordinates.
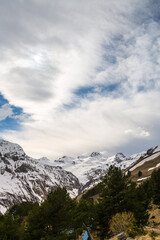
(2, 100)
(110, 88)
(111, 59)
(83, 92)
(89, 91)
(12, 122)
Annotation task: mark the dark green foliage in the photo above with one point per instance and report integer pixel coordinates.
(84, 213)
(139, 174)
(135, 229)
(119, 195)
(93, 191)
(114, 187)
(19, 211)
(154, 186)
(54, 216)
(112, 198)
(35, 223)
(9, 229)
(145, 186)
(129, 173)
(136, 200)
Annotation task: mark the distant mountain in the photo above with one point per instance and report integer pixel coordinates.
(90, 169)
(23, 178)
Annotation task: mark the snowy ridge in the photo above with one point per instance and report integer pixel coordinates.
(156, 149)
(23, 178)
(89, 169)
(155, 155)
(26, 179)
(10, 148)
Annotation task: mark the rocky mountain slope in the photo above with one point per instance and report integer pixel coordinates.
(89, 169)
(143, 168)
(23, 178)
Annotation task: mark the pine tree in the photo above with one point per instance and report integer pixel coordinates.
(154, 186)
(112, 198)
(54, 216)
(84, 213)
(139, 174)
(136, 201)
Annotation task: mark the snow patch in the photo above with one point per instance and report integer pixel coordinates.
(141, 179)
(158, 165)
(145, 160)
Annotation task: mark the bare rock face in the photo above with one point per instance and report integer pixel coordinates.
(94, 154)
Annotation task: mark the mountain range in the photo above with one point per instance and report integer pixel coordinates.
(23, 178)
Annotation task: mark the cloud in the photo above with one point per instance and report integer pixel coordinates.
(138, 132)
(5, 111)
(98, 124)
(85, 73)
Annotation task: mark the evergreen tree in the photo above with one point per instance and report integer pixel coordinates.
(112, 198)
(139, 174)
(54, 216)
(19, 211)
(9, 229)
(154, 186)
(136, 201)
(84, 213)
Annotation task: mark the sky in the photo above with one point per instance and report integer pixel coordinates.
(80, 76)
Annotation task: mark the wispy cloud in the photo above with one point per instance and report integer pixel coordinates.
(5, 111)
(87, 73)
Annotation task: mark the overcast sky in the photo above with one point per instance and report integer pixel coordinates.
(80, 76)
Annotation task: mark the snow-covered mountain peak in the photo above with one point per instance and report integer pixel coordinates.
(95, 154)
(117, 158)
(64, 160)
(44, 160)
(12, 149)
(120, 157)
(23, 178)
(89, 168)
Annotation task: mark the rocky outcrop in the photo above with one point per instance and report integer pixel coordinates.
(26, 179)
